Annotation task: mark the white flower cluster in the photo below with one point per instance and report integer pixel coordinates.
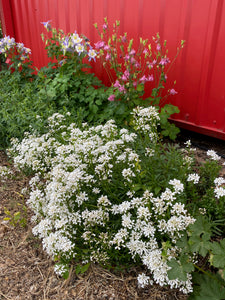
(212, 155)
(87, 182)
(219, 190)
(146, 120)
(193, 178)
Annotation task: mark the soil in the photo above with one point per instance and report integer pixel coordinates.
(26, 272)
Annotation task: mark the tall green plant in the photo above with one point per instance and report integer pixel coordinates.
(130, 69)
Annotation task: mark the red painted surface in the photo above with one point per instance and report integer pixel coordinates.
(199, 70)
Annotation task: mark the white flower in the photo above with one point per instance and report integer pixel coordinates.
(143, 280)
(149, 152)
(194, 178)
(127, 174)
(126, 221)
(219, 192)
(104, 201)
(188, 143)
(212, 154)
(178, 186)
(219, 181)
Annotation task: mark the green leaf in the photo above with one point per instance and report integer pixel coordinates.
(171, 109)
(200, 235)
(140, 87)
(201, 225)
(207, 288)
(81, 269)
(217, 258)
(200, 244)
(179, 269)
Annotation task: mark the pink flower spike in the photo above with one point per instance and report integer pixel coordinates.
(132, 52)
(172, 92)
(158, 47)
(111, 98)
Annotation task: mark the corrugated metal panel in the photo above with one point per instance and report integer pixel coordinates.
(199, 71)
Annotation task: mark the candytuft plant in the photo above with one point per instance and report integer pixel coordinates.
(119, 197)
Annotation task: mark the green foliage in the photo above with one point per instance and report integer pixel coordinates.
(180, 269)
(217, 256)
(198, 240)
(81, 269)
(207, 288)
(20, 107)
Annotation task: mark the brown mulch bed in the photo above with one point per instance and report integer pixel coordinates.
(26, 272)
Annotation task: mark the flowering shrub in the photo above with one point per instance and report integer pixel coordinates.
(107, 195)
(130, 70)
(17, 56)
(64, 47)
(66, 81)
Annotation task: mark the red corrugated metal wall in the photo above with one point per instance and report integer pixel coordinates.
(199, 71)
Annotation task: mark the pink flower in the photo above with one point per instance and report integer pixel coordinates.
(122, 89)
(151, 65)
(135, 83)
(111, 98)
(137, 65)
(127, 57)
(143, 79)
(106, 47)
(164, 61)
(108, 56)
(99, 44)
(172, 92)
(117, 84)
(123, 39)
(104, 26)
(145, 51)
(150, 78)
(158, 47)
(125, 76)
(133, 60)
(132, 52)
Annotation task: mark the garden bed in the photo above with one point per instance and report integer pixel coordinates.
(26, 272)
